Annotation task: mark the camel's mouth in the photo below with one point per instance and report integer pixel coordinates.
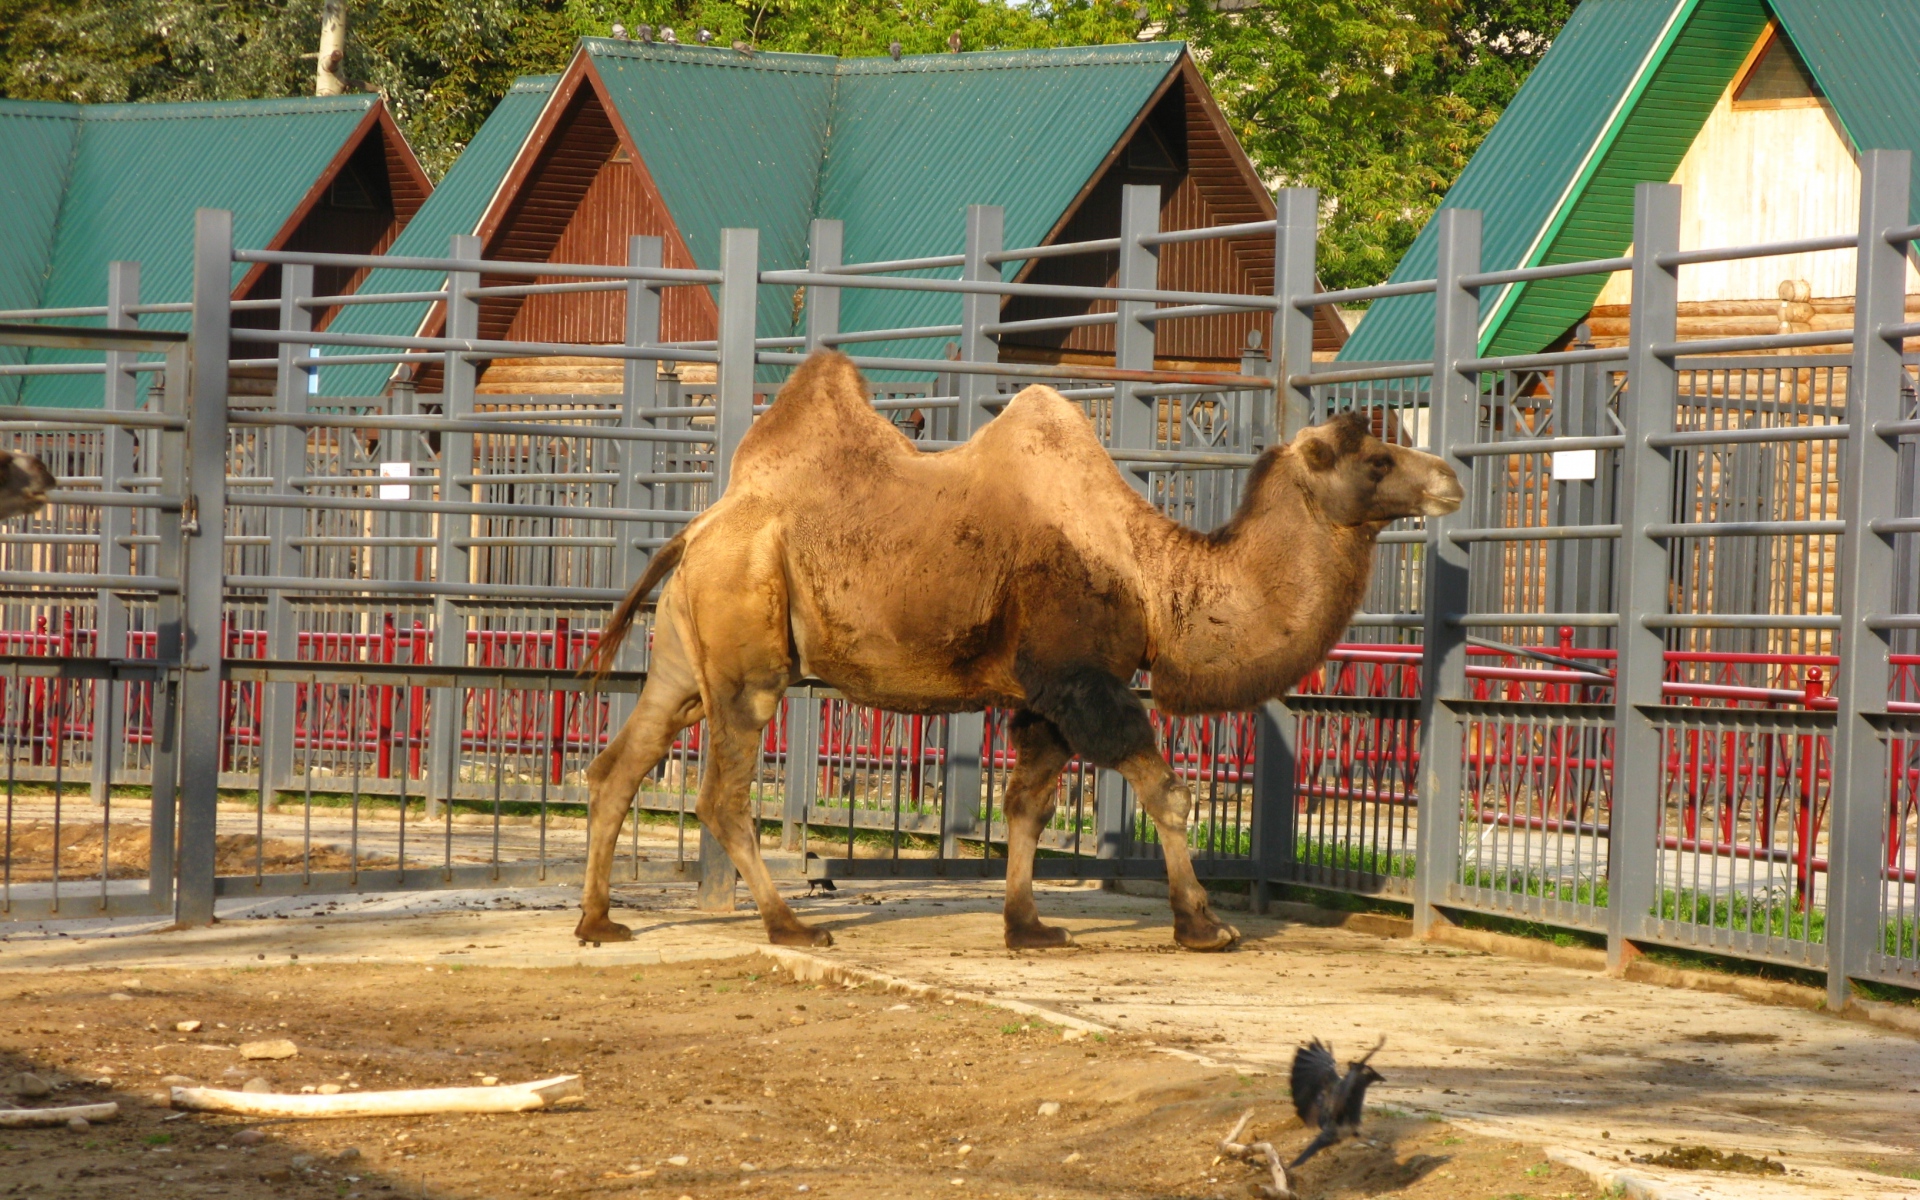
(1441, 500)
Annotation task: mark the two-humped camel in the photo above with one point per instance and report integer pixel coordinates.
(1017, 571)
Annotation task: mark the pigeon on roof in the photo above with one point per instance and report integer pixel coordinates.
(705, 36)
(953, 41)
(893, 49)
(643, 33)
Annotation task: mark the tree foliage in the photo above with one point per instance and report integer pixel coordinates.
(1378, 103)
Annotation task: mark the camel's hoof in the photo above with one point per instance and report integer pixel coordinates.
(601, 930)
(801, 935)
(1038, 937)
(1220, 937)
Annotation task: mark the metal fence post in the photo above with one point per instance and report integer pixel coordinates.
(1136, 418)
(802, 768)
(1645, 497)
(824, 249)
(204, 520)
(986, 234)
(167, 459)
(117, 453)
(452, 560)
(1295, 241)
(286, 458)
(639, 389)
(961, 779)
(1860, 759)
(1274, 832)
(733, 416)
(1455, 399)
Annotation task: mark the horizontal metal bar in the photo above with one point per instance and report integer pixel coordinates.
(300, 670)
(1743, 528)
(410, 587)
(1038, 324)
(1895, 621)
(1387, 621)
(461, 508)
(1246, 229)
(932, 263)
(1833, 241)
(1896, 525)
(674, 477)
(348, 360)
(913, 405)
(1761, 341)
(421, 424)
(1536, 533)
(1380, 291)
(1412, 370)
(31, 369)
(1182, 311)
(495, 349)
(118, 583)
(114, 500)
(1592, 266)
(1545, 445)
(1036, 371)
(1047, 291)
(663, 414)
(50, 539)
(1902, 331)
(536, 477)
(1195, 458)
(545, 289)
(888, 335)
(362, 541)
(319, 302)
(1536, 362)
(1401, 537)
(479, 265)
(1739, 621)
(1063, 250)
(91, 337)
(1902, 235)
(93, 416)
(1885, 429)
(1534, 620)
(1731, 437)
(571, 541)
(340, 481)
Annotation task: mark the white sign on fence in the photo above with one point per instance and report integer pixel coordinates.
(402, 491)
(1575, 464)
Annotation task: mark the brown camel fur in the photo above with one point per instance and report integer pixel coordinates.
(24, 484)
(1017, 571)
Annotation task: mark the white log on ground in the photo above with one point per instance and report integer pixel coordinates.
(414, 1102)
(1258, 1154)
(21, 1118)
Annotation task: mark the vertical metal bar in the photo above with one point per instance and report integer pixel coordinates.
(1454, 399)
(1273, 835)
(204, 521)
(1294, 244)
(1859, 792)
(452, 561)
(1136, 423)
(1646, 491)
(986, 234)
(117, 452)
(640, 385)
(169, 562)
(960, 784)
(286, 458)
(802, 768)
(824, 250)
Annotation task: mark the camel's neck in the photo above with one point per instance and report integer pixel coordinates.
(1242, 616)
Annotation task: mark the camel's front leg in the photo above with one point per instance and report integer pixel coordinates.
(1168, 802)
(1029, 802)
(725, 808)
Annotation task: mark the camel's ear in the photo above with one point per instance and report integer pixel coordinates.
(1317, 454)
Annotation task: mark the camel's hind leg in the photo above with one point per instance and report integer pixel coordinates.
(726, 809)
(1029, 802)
(668, 703)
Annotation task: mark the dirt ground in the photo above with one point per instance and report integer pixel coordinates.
(30, 855)
(702, 1080)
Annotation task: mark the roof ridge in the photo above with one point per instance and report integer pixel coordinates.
(972, 60)
(174, 110)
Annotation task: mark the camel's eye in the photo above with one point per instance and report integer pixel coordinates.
(1381, 464)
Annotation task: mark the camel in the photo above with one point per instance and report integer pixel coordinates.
(24, 484)
(1018, 571)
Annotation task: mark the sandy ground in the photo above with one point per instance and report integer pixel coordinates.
(1548, 1061)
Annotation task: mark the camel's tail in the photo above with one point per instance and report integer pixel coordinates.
(615, 631)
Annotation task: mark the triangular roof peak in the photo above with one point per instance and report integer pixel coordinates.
(1616, 101)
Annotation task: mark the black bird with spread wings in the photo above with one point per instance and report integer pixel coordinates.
(1327, 1099)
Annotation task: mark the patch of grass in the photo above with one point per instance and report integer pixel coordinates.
(1886, 993)
(1539, 1169)
(456, 966)
(158, 1139)
(1513, 927)
(1694, 960)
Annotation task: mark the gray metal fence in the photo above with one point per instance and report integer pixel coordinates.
(372, 681)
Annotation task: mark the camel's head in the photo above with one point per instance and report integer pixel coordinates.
(24, 484)
(1359, 479)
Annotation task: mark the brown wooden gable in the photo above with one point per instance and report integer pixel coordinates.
(1181, 143)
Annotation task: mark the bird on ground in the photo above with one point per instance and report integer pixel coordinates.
(1327, 1099)
(666, 35)
(953, 42)
(705, 36)
(893, 49)
(644, 33)
(745, 48)
(619, 32)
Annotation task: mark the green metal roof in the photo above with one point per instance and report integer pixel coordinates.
(1615, 102)
(896, 150)
(455, 207)
(122, 182)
